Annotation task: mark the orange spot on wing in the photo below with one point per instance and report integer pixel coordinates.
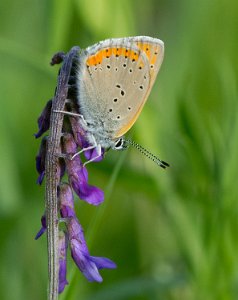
(109, 52)
(119, 51)
(103, 53)
(128, 53)
(114, 51)
(91, 61)
(146, 48)
(135, 56)
(152, 51)
(153, 59)
(98, 57)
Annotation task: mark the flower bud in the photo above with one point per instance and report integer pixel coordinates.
(44, 120)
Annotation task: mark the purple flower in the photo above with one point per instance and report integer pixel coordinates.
(43, 228)
(78, 182)
(88, 265)
(40, 161)
(78, 175)
(81, 141)
(90, 154)
(63, 244)
(79, 133)
(66, 201)
(60, 169)
(44, 120)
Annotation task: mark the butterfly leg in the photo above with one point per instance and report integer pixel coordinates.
(83, 150)
(99, 153)
(82, 121)
(70, 114)
(92, 146)
(90, 137)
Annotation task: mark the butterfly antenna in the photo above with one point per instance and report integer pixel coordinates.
(147, 153)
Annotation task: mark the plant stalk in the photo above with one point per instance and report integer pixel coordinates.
(52, 156)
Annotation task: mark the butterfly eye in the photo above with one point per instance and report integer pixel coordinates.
(120, 144)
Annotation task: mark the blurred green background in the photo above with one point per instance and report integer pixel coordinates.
(172, 233)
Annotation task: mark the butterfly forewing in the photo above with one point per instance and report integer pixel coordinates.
(115, 77)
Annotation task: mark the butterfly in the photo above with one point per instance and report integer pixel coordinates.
(114, 78)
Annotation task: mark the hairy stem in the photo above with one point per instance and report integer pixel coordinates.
(53, 146)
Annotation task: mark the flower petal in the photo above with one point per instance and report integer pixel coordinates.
(43, 228)
(90, 154)
(88, 265)
(89, 193)
(66, 201)
(82, 260)
(103, 262)
(44, 120)
(62, 261)
(79, 133)
(40, 161)
(75, 231)
(81, 140)
(78, 175)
